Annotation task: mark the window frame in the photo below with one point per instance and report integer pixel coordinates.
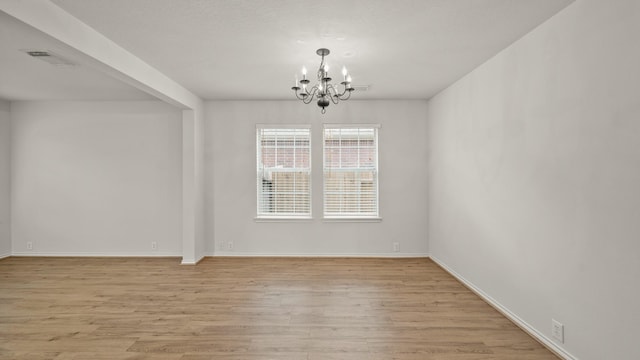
(352, 217)
(258, 151)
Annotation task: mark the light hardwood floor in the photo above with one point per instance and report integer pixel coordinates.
(248, 308)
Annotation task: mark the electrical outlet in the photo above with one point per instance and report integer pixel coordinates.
(230, 245)
(396, 246)
(557, 330)
(29, 245)
(154, 245)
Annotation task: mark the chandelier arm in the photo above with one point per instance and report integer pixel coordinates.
(345, 86)
(341, 94)
(298, 96)
(309, 98)
(347, 97)
(335, 98)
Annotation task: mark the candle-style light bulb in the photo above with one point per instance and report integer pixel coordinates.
(349, 79)
(296, 83)
(304, 73)
(344, 73)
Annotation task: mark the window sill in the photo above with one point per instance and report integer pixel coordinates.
(353, 219)
(282, 219)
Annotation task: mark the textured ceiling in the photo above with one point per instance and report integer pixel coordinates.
(252, 49)
(25, 78)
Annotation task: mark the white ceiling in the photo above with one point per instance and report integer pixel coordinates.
(252, 49)
(25, 78)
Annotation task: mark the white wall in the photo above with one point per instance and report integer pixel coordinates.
(5, 179)
(96, 178)
(534, 178)
(230, 155)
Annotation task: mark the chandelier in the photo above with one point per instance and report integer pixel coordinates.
(324, 91)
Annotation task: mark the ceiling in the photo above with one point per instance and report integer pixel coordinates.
(25, 78)
(253, 49)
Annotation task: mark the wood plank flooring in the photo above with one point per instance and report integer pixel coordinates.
(248, 308)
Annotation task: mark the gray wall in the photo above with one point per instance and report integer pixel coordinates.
(5, 179)
(534, 174)
(231, 180)
(96, 178)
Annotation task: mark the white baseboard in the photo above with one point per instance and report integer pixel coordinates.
(221, 254)
(510, 315)
(333, 255)
(192, 261)
(6, 255)
(92, 254)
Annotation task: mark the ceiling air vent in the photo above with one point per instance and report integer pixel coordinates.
(362, 88)
(49, 57)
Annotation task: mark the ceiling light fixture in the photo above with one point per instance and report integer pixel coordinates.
(324, 91)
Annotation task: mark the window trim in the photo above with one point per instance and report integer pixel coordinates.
(352, 217)
(355, 219)
(284, 217)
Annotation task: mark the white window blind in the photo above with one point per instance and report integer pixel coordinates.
(283, 172)
(351, 172)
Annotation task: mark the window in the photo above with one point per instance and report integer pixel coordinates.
(283, 172)
(351, 172)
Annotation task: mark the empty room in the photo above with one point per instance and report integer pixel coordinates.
(319, 180)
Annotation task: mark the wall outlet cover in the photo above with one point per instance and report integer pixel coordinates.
(557, 330)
